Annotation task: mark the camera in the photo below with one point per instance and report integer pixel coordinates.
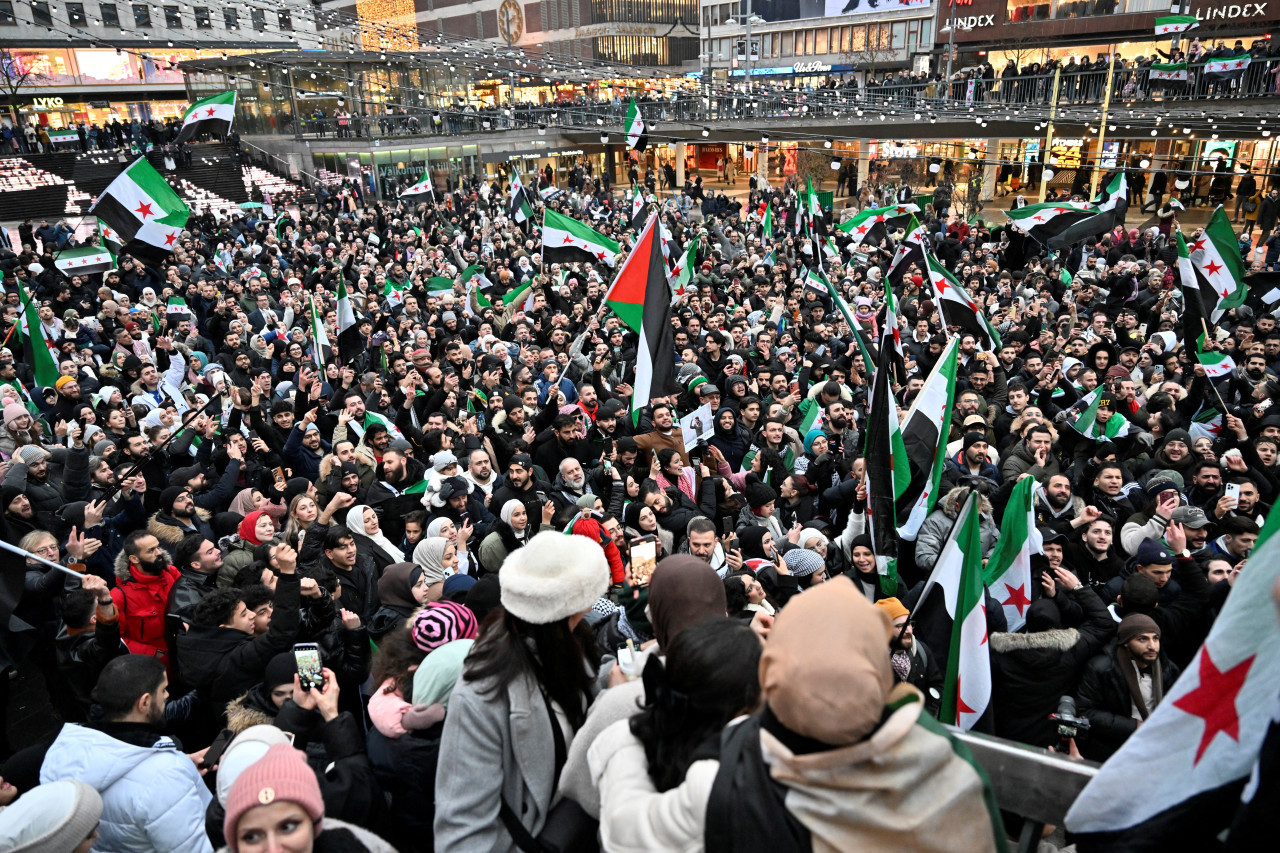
(1070, 724)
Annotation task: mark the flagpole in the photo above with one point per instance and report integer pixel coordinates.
(1048, 138)
(1207, 377)
(38, 559)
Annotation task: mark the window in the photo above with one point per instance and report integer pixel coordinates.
(202, 18)
(808, 43)
(110, 18)
(6, 14)
(231, 19)
(845, 40)
(788, 42)
(820, 43)
(259, 19)
(141, 15)
(75, 13)
(859, 39)
(40, 14)
(172, 18)
(285, 19)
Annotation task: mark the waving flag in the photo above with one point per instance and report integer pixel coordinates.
(422, 187)
(1170, 24)
(639, 209)
(1109, 207)
(394, 291)
(319, 338)
(110, 241)
(38, 344)
(84, 260)
(1194, 326)
(1087, 422)
(566, 240)
(520, 210)
(956, 308)
(1169, 72)
(1227, 68)
(924, 435)
(641, 298)
(815, 279)
(910, 253)
(1008, 571)
(1215, 259)
(213, 114)
(871, 224)
(346, 316)
(766, 222)
(888, 473)
(141, 208)
(1047, 221)
(637, 131)
(683, 272)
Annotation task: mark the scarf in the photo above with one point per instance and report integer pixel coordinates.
(1130, 670)
(355, 523)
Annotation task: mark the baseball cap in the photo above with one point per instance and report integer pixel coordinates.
(521, 459)
(1190, 516)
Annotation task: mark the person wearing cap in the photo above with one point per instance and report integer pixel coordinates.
(972, 460)
(305, 447)
(1122, 685)
(1162, 494)
(512, 712)
(912, 661)
(54, 817)
(522, 484)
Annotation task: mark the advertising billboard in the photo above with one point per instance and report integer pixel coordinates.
(791, 10)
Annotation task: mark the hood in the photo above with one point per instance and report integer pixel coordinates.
(97, 758)
(1056, 641)
(122, 565)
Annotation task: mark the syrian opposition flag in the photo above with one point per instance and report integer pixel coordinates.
(966, 690)
(1215, 258)
(38, 345)
(639, 209)
(1200, 746)
(346, 316)
(566, 241)
(1087, 423)
(439, 284)
(910, 252)
(1170, 24)
(1227, 68)
(888, 474)
(812, 206)
(140, 207)
(394, 291)
(924, 435)
(1206, 423)
(422, 187)
(110, 241)
(1043, 222)
(319, 338)
(213, 114)
(870, 224)
(956, 308)
(1169, 72)
(637, 131)
(1194, 327)
(177, 310)
(1109, 207)
(84, 260)
(683, 273)
(641, 298)
(1008, 571)
(520, 209)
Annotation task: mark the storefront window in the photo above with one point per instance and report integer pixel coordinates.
(45, 67)
(107, 67)
(859, 39)
(820, 42)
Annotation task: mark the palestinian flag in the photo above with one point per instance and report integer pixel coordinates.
(956, 308)
(910, 252)
(966, 691)
(84, 260)
(209, 115)
(1227, 68)
(1043, 222)
(394, 291)
(1169, 72)
(1087, 423)
(924, 435)
(637, 131)
(38, 347)
(1008, 571)
(888, 474)
(1109, 207)
(566, 240)
(1170, 24)
(641, 298)
(422, 187)
(141, 208)
(520, 209)
(1215, 259)
(319, 338)
(439, 284)
(870, 224)
(1199, 748)
(639, 209)
(346, 316)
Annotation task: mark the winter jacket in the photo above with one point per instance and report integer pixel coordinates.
(140, 600)
(1031, 672)
(236, 554)
(153, 798)
(82, 656)
(170, 531)
(937, 527)
(1103, 697)
(1023, 461)
(392, 504)
(957, 468)
(406, 768)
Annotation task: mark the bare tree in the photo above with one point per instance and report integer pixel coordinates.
(15, 76)
(814, 165)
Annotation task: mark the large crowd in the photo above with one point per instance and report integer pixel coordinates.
(442, 584)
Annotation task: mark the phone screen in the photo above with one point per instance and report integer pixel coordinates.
(644, 559)
(726, 526)
(307, 656)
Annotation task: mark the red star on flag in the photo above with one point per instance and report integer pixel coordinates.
(143, 210)
(170, 238)
(568, 240)
(1017, 598)
(1214, 699)
(1061, 210)
(1197, 245)
(1213, 268)
(941, 284)
(1037, 218)
(961, 707)
(209, 111)
(861, 229)
(106, 234)
(600, 255)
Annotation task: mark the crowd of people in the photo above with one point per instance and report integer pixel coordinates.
(347, 552)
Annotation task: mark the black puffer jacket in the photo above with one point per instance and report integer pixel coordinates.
(1103, 697)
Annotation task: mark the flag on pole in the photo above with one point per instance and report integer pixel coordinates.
(422, 187)
(1215, 258)
(924, 435)
(566, 240)
(1008, 571)
(110, 241)
(1170, 24)
(888, 474)
(1227, 68)
(1201, 744)
(639, 209)
(1194, 327)
(213, 114)
(815, 279)
(141, 207)
(38, 344)
(520, 210)
(870, 224)
(956, 308)
(177, 310)
(85, 260)
(641, 298)
(1087, 423)
(1047, 221)
(394, 291)
(683, 272)
(346, 316)
(636, 129)
(319, 338)
(1109, 207)
(910, 253)
(439, 284)
(766, 222)
(1169, 72)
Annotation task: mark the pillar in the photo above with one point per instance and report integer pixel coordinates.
(991, 170)
(762, 164)
(864, 163)
(680, 155)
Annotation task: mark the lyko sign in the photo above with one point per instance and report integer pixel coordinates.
(47, 103)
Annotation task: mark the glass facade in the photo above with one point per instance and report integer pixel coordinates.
(397, 168)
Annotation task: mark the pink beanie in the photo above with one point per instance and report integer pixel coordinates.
(282, 775)
(13, 411)
(442, 622)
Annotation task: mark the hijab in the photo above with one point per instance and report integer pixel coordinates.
(243, 503)
(249, 527)
(751, 542)
(508, 509)
(434, 528)
(683, 591)
(395, 587)
(429, 556)
(434, 680)
(355, 523)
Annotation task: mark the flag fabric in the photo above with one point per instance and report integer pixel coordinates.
(1194, 325)
(422, 187)
(815, 279)
(177, 309)
(867, 224)
(1109, 208)
(1169, 24)
(641, 298)
(110, 241)
(474, 275)
(141, 208)
(683, 273)
(520, 209)
(84, 260)
(213, 114)
(1087, 423)
(1172, 72)
(1206, 423)
(766, 222)
(346, 316)
(888, 474)
(394, 291)
(956, 308)
(566, 240)
(910, 252)
(1215, 258)
(639, 208)
(1008, 571)
(547, 193)
(1044, 222)
(924, 436)
(439, 283)
(637, 131)
(1201, 743)
(812, 204)
(1227, 68)
(319, 338)
(38, 342)
(891, 337)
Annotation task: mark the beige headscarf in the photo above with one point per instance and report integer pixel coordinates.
(825, 671)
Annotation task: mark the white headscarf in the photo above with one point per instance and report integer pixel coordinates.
(355, 523)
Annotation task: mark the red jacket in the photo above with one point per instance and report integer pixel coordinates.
(593, 530)
(140, 600)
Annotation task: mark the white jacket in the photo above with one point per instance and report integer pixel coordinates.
(153, 798)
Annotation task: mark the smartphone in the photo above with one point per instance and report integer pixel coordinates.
(726, 526)
(214, 754)
(644, 559)
(695, 461)
(542, 496)
(1233, 491)
(307, 656)
(733, 542)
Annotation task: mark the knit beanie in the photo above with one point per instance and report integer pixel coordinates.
(443, 460)
(441, 622)
(13, 411)
(802, 562)
(759, 494)
(893, 607)
(282, 775)
(243, 752)
(168, 496)
(55, 816)
(63, 381)
(1136, 624)
(30, 454)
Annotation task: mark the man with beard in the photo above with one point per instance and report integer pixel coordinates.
(144, 580)
(665, 433)
(29, 473)
(193, 479)
(304, 448)
(480, 473)
(521, 485)
(912, 661)
(566, 440)
(178, 517)
(839, 432)
(572, 484)
(1055, 506)
(152, 789)
(1092, 557)
(389, 497)
(509, 433)
(68, 390)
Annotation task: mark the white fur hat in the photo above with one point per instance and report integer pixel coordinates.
(553, 577)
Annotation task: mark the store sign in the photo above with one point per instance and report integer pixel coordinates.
(621, 28)
(413, 168)
(1233, 11)
(811, 68)
(891, 150)
(973, 22)
(47, 103)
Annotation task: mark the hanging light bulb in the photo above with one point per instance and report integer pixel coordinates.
(706, 131)
(604, 139)
(828, 142)
(1144, 163)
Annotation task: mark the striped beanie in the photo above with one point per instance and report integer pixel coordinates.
(441, 622)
